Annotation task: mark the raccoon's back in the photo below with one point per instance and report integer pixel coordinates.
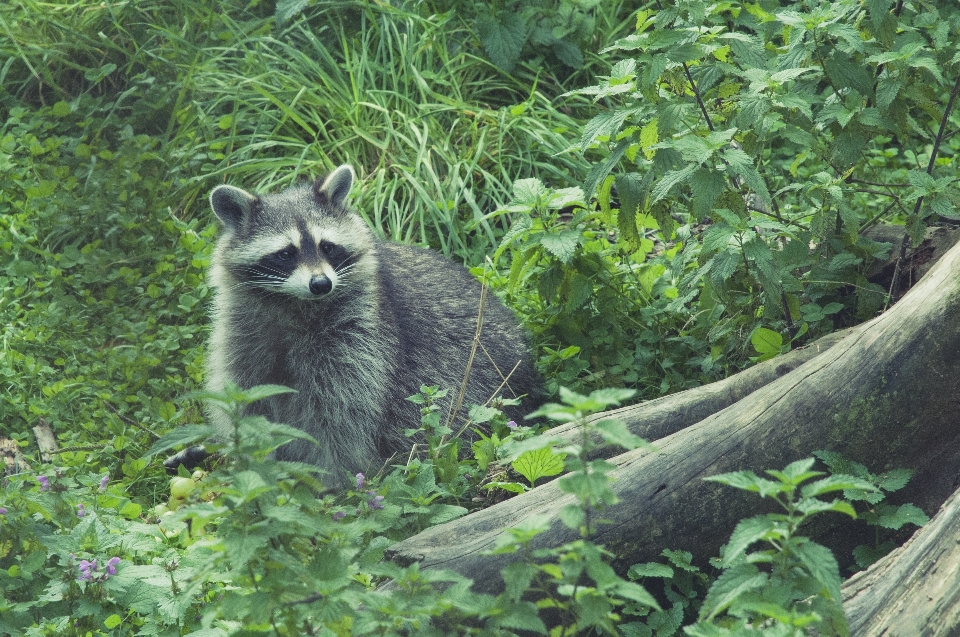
(435, 303)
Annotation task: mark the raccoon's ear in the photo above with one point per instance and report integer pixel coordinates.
(231, 204)
(334, 189)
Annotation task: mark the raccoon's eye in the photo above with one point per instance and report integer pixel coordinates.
(326, 247)
(286, 254)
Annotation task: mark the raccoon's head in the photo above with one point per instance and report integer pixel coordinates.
(303, 242)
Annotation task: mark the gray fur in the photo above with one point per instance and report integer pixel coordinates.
(394, 318)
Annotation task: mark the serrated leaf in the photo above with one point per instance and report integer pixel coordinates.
(440, 513)
(717, 237)
(185, 435)
(615, 432)
(820, 563)
(810, 506)
(706, 186)
(562, 245)
(649, 569)
(579, 292)
(887, 90)
(749, 481)
(528, 191)
(539, 463)
(649, 137)
(748, 532)
(894, 480)
(865, 555)
(901, 516)
(502, 36)
(673, 177)
(287, 9)
(636, 593)
(834, 483)
(517, 577)
(568, 53)
(732, 583)
(632, 192)
(524, 616)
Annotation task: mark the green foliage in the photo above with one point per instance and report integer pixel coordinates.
(684, 587)
(887, 518)
(728, 165)
(738, 154)
(793, 584)
(574, 580)
(102, 289)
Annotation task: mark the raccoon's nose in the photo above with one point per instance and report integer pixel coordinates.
(320, 284)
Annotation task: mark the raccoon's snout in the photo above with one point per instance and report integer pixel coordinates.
(320, 284)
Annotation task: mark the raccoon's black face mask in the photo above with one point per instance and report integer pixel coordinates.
(303, 242)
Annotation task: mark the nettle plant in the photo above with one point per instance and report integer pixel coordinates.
(740, 153)
(773, 580)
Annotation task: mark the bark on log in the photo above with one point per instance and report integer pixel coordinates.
(913, 591)
(658, 418)
(885, 396)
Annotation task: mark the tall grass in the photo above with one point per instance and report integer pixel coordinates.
(437, 134)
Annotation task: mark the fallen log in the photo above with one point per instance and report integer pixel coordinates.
(884, 396)
(913, 591)
(658, 418)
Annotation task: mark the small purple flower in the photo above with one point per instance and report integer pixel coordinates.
(376, 502)
(112, 566)
(360, 481)
(44, 483)
(468, 477)
(3, 511)
(512, 424)
(103, 482)
(87, 569)
(80, 511)
(339, 515)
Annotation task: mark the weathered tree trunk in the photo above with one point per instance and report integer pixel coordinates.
(656, 419)
(914, 591)
(885, 395)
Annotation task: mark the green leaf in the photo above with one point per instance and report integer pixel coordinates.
(706, 186)
(901, 516)
(287, 9)
(528, 191)
(733, 583)
(539, 463)
(568, 53)
(894, 480)
(749, 481)
(748, 532)
(503, 36)
(615, 432)
(517, 578)
(186, 435)
(650, 569)
(633, 193)
(717, 237)
(837, 482)
(673, 177)
(580, 291)
(820, 563)
(562, 245)
(766, 341)
(112, 621)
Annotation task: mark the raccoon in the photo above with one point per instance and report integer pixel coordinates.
(306, 296)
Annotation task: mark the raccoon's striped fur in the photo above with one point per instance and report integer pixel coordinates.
(307, 297)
